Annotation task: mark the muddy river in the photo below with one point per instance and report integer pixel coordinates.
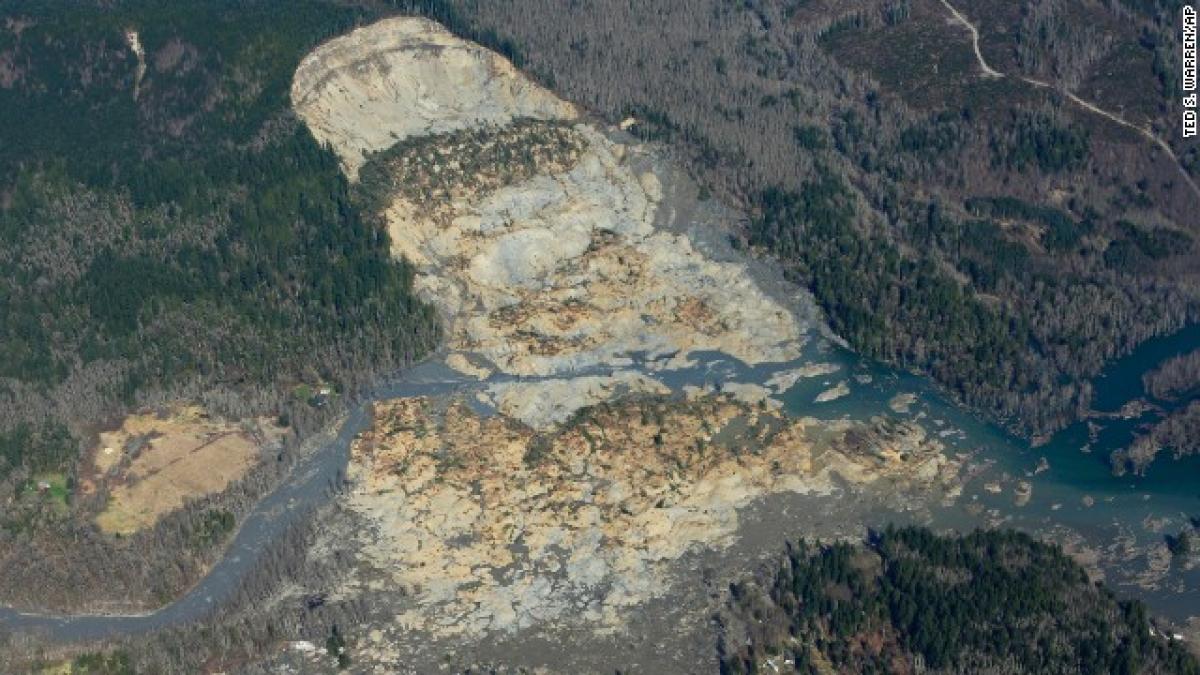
(1117, 525)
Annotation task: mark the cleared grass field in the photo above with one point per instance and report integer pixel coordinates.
(154, 463)
(50, 487)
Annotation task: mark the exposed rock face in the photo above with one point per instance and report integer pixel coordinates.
(486, 524)
(402, 77)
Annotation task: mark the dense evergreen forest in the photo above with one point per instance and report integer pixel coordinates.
(174, 222)
(169, 230)
(985, 231)
(910, 601)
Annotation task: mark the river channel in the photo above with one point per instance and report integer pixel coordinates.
(1119, 522)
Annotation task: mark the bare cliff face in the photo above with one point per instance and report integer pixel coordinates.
(405, 77)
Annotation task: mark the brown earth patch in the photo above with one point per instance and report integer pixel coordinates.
(156, 461)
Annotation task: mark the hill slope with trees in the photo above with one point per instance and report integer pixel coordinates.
(910, 601)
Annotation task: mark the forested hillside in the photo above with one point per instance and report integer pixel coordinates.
(169, 230)
(910, 601)
(170, 222)
(988, 231)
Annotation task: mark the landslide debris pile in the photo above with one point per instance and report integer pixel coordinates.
(557, 252)
(486, 524)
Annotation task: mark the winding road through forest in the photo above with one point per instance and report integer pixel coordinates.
(989, 71)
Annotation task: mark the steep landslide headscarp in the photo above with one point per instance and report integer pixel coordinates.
(404, 77)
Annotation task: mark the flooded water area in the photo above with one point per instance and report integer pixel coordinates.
(1063, 490)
